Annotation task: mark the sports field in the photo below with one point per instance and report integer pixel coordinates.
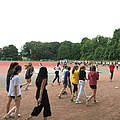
(108, 95)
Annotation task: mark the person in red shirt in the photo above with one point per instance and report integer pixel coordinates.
(111, 70)
(93, 77)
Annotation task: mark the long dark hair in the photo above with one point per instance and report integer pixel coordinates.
(93, 68)
(12, 66)
(58, 64)
(74, 68)
(43, 74)
(15, 72)
(81, 68)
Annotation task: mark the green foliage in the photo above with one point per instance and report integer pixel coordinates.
(10, 52)
(98, 48)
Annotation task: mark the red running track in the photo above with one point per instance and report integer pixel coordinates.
(4, 65)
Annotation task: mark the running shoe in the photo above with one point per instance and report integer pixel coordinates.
(95, 101)
(19, 115)
(5, 117)
(78, 102)
(88, 97)
(59, 96)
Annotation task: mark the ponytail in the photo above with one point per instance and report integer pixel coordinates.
(15, 72)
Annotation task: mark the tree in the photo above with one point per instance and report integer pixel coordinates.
(0, 52)
(64, 51)
(10, 52)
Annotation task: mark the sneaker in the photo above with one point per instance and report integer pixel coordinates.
(64, 93)
(59, 96)
(95, 101)
(5, 117)
(78, 102)
(19, 115)
(87, 97)
(12, 115)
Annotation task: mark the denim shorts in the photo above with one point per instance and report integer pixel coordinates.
(65, 85)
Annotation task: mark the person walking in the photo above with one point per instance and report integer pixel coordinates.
(28, 74)
(57, 69)
(111, 67)
(41, 95)
(14, 92)
(9, 74)
(75, 81)
(93, 77)
(82, 78)
(66, 83)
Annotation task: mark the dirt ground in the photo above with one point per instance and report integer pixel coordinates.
(108, 107)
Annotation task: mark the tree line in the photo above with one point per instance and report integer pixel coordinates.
(98, 48)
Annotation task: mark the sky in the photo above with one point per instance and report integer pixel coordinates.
(23, 21)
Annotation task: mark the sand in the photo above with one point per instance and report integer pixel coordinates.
(108, 107)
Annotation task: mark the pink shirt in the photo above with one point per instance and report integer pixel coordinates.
(93, 77)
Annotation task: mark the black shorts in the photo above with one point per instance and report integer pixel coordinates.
(13, 97)
(93, 86)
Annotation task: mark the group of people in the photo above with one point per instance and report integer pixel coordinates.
(78, 79)
(13, 86)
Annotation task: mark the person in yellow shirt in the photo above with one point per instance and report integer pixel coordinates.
(75, 81)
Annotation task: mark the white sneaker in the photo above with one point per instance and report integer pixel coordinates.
(78, 102)
(19, 115)
(95, 101)
(88, 97)
(12, 115)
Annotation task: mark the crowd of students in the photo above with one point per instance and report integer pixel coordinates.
(79, 77)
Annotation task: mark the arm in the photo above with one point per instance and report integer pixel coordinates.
(15, 90)
(16, 83)
(68, 80)
(97, 76)
(41, 90)
(23, 85)
(85, 76)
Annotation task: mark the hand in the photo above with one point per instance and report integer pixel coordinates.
(39, 100)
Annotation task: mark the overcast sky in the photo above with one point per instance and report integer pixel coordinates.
(56, 20)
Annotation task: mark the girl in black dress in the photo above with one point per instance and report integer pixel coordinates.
(41, 95)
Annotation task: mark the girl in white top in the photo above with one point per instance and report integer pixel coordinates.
(14, 92)
(57, 68)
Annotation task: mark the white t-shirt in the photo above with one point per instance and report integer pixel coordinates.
(57, 68)
(14, 82)
(63, 74)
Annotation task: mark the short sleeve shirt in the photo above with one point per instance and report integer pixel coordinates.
(82, 75)
(14, 82)
(67, 74)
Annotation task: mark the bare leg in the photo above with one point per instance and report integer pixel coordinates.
(63, 89)
(8, 104)
(93, 95)
(17, 104)
(28, 83)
